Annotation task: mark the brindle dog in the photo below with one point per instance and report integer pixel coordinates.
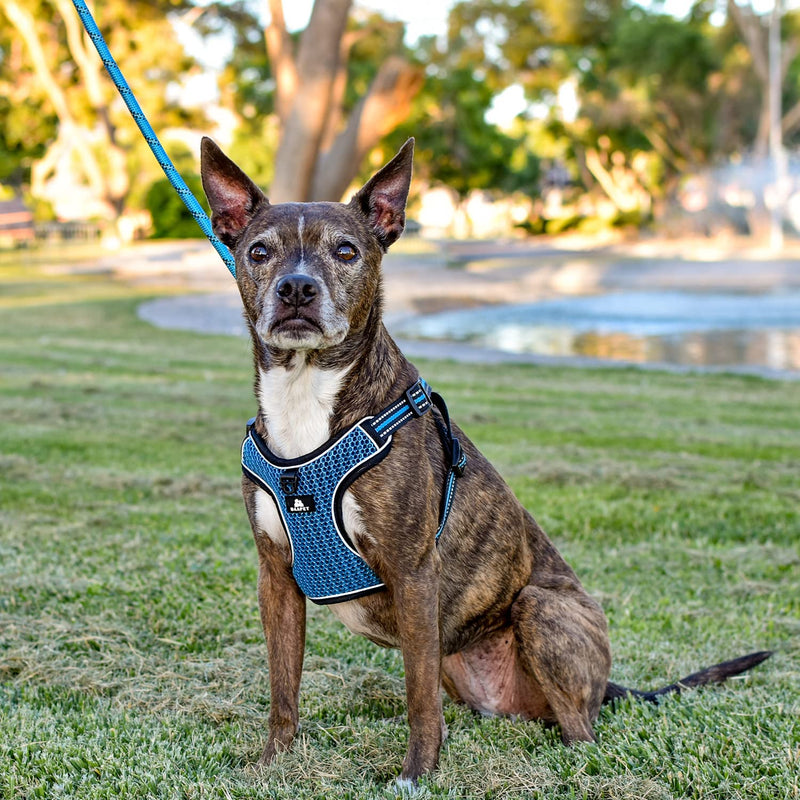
(491, 611)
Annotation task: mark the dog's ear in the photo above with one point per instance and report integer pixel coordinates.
(233, 197)
(382, 200)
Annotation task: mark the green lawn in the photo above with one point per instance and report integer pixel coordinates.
(131, 655)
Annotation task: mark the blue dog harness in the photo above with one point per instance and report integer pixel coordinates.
(308, 492)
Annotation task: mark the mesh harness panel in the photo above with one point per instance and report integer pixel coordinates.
(308, 493)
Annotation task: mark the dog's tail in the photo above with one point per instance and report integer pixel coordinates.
(719, 673)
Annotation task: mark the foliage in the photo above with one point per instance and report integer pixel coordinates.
(23, 138)
(171, 218)
(667, 95)
(656, 96)
(132, 662)
(456, 145)
(58, 110)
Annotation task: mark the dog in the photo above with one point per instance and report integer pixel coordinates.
(488, 609)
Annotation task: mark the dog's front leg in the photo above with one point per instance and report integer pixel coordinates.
(283, 617)
(416, 597)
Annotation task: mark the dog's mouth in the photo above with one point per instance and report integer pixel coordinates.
(298, 326)
(298, 322)
(305, 328)
(298, 332)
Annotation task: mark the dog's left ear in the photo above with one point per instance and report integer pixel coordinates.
(233, 197)
(382, 200)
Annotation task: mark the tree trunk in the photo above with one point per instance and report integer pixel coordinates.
(761, 143)
(755, 37)
(306, 118)
(320, 150)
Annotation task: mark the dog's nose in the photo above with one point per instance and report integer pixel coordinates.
(297, 290)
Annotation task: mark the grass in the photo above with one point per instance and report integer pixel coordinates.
(131, 657)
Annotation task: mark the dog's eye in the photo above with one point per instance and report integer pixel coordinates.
(346, 252)
(258, 253)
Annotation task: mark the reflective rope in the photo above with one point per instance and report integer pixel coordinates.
(189, 200)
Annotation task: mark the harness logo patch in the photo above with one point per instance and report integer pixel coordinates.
(300, 503)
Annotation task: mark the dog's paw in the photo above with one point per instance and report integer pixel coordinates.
(279, 742)
(405, 787)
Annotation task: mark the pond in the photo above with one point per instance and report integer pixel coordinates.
(677, 327)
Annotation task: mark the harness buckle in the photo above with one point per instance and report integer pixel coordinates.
(290, 482)
(412, 403)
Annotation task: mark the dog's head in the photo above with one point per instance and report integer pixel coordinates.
(309, 273)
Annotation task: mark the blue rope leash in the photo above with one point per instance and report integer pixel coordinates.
(189, 200)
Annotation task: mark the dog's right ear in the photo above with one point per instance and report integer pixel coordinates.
(233, 197)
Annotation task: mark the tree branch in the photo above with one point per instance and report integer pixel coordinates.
(789, 50)
(336, 113)
(70, 135)
(754, 36)
(88, 64)
(280, 50)
(385, 105)
(791, 119)
(623, 198)
(26, 27)
(307, 113)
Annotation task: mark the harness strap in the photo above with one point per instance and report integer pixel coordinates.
(457, 458)
(414, 403)
(417, 401)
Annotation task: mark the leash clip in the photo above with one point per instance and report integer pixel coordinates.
(290, 482)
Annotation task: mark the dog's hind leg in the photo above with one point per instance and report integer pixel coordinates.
(562, 641)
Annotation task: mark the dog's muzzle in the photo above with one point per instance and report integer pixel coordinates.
(300, 315)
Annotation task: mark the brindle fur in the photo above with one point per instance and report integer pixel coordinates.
(493, 612)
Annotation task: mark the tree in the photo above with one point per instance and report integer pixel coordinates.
(25, 126)
(754, 32)
(544, 45)
(647, 85)
(46, 58)
(456, 145)
(321, 147)
(648, 112)
(323, 131)
(535, 43)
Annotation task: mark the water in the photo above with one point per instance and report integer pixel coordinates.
(686, 328)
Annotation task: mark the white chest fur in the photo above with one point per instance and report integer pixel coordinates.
(296, 405)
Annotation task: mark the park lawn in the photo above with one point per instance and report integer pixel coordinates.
(131, 656)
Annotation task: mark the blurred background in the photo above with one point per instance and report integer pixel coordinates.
(608, 121)
(542, 115)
